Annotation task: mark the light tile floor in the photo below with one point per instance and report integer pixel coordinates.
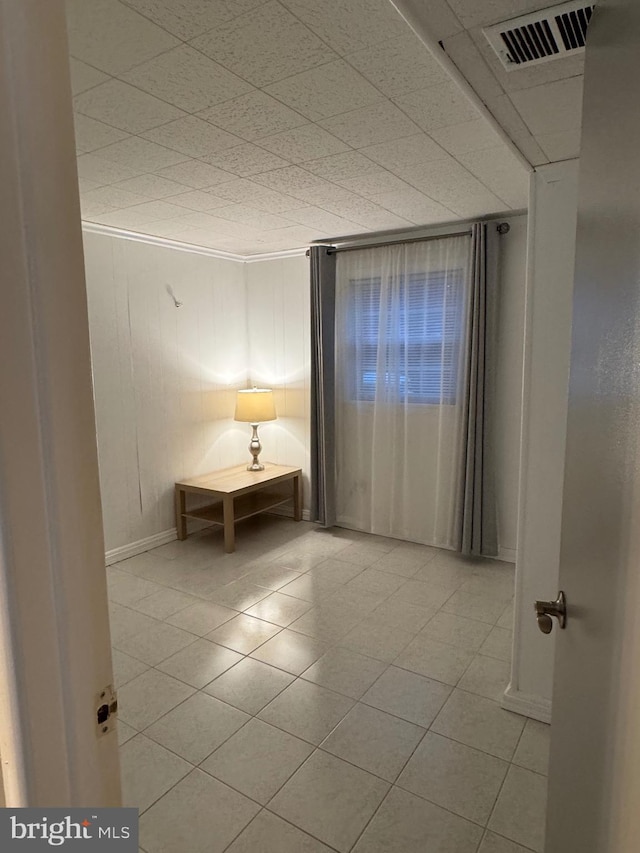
(321, 691)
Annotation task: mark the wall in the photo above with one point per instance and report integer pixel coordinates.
(164, 377)
(279, 355)
(552, 224)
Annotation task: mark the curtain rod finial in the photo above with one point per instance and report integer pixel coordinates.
(503, 228)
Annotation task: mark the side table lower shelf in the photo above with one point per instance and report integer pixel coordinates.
(239, 494)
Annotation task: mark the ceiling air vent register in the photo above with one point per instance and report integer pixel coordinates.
(541, 36)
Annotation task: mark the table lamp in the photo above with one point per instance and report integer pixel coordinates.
(255, 406)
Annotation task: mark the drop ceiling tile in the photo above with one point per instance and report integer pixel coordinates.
(363, 211)
(199, 200)
(206, 221)
(114, 197)
(265, 199)
(552, 107)
(291, 180)
(140, 154)
(253, 116)
(192, 136)
(152, 186)
(349, 26)
(84, 77)
(438, 106)
(90, 209)
(369, 215)
(324, 195)
(239, 7)
(291, 237)
(304, 143)
(502, 173)
(447, 182)
(316, 217)
(127, 219)
(529, 147)
(374, 184)
(156, 210)
(339, 166)
(84, 185)
(102, 172)
(92, 134)
(187, 79)
(474, 14)
(407, 151)
(196, 174)
(399, 66)
(185, 18)
(253, 217)
(169, 228)
(265, 45)
(561, 146)
(415, 206)
(504, 112)
(120, 105)
(474, 135)
(326, 91)
(246, 159)
(379, 122)
(482, 205)
(112, 37)
(440, 21)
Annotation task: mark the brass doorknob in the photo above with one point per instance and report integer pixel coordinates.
(546, 609)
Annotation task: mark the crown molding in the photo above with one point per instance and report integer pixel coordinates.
(166, 243)
(273, 256)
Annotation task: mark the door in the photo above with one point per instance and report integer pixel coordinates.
(55, 656)
(594, 782)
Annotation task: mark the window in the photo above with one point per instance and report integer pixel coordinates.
(416, 358)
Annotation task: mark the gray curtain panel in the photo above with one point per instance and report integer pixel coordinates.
(323, 445)
(478, 532)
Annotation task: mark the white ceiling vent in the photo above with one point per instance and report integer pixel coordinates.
(541, 36)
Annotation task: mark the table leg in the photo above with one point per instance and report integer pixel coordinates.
(229, 531)
(181, 521)
(297, 497)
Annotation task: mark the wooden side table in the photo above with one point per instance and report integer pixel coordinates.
(238, 494)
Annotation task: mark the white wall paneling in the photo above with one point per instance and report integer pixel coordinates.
(552, 225)
(164, 376)
(280, 356)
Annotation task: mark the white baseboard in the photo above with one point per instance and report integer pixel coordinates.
(529, 706)
(139, 547)
(507, 555)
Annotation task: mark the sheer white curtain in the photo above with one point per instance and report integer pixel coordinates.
(402, 315)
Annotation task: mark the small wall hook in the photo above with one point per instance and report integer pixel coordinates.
(176, 301)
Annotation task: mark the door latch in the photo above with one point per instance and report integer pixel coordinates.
(106, 710)
(546, 609)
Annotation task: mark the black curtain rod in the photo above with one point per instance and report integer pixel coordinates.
(502, 228)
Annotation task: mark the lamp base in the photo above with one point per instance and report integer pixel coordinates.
(255, 449)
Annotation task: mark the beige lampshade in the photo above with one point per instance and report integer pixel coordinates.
(255, 406)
